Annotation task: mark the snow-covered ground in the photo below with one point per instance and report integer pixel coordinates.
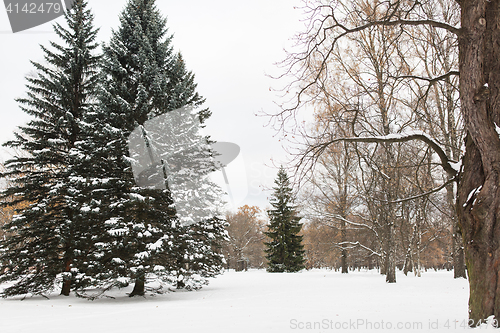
(256, 301)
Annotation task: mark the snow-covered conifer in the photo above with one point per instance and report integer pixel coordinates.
(285, 251)
(142, 82)
(48, 238)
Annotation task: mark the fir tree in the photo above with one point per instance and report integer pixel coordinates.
(197, 253)
(49, 237)
(285, 252)
(142, 79)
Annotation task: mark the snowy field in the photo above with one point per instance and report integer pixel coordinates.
(256, 301)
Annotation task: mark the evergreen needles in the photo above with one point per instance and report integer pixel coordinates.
(285, 251)
(85, 221)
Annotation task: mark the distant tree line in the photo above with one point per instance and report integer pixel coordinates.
(323, 248)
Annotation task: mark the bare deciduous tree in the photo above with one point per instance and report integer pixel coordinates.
(331, 198)
(246, 237)
(478, 34)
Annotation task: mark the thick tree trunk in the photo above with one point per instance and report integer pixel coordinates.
(477, 218)
(138, 287)
(383, 266)
(66, 286)
(478, 203)
(408, 267)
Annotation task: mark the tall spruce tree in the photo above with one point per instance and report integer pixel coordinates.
(285, 252)
(49, 237)
(174, 141)
(142, 78)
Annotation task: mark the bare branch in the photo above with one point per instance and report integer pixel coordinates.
(431, 23)
(446, 163)
(358, 244)
(437, 189)
(366, 226)
(430, 80)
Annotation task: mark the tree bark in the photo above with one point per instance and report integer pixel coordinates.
(457, 249)
(138, 287)
(66, 286)
(408, 266)
(459, 270)
(391, 254)
(478, 203)
(418, 245)
(343, 213)
(343, 231)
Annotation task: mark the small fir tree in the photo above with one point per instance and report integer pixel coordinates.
(49, 237)
(285, 252)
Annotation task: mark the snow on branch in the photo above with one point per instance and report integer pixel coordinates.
(353, 245)
(448, 165)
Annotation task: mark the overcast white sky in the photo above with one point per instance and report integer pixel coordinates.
(229, 45)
